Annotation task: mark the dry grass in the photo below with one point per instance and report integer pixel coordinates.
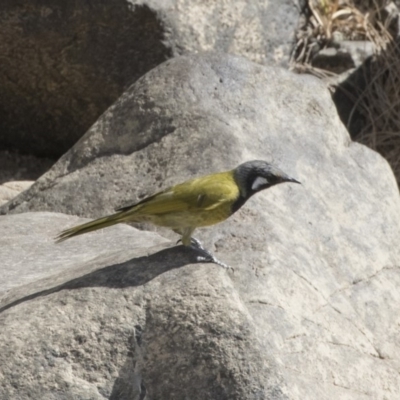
(378, 103)
(350, 20)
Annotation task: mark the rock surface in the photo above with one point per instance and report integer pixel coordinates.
(9, 190)
(17, 173)
(118, 315)
(311, 311)
(65, 63)
(18, 167)
(344, 56)
(192, 115)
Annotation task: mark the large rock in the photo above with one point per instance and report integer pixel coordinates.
(191, 115)
(66, 63)
(63, 63)
(311, 311)
(118, 315)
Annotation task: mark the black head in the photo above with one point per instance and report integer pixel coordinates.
(253, 176)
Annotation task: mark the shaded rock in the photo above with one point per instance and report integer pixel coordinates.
(312, 308)
(17, 173)
(18, 167)
(333, 59)
(343, 56)
(65, 63)
(367, 103)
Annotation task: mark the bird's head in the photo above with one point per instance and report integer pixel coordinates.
(253, 176)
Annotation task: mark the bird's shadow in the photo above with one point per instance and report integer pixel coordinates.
(134, 272)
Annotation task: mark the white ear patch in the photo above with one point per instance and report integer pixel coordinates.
(258, 183)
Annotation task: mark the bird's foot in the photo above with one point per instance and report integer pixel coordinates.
(206, 256)
(196, 244)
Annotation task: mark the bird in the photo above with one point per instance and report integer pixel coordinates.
(198, 202)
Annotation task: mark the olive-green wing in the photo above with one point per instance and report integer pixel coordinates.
(205, 193)
(145, 200)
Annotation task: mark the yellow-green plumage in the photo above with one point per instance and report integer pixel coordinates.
(198, 202)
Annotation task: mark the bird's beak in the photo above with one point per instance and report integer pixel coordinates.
(292, 180)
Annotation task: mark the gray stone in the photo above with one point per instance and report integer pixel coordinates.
(311, 311)
(18, 167)
(9, 190)
(30, 237)
(262, 31)
(64, 63)
(344, 56)
(120, 314)
(192, 115)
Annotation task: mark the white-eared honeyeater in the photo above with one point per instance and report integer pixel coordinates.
(202, 201)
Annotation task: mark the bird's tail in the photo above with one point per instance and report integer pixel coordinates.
(90, 226)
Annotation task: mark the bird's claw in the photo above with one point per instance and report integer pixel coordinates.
(214, 260)
(197, 244)
(206, 256)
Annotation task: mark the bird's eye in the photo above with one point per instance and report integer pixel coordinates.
(259, 183)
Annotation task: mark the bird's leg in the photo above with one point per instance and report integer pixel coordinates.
(206, 256)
